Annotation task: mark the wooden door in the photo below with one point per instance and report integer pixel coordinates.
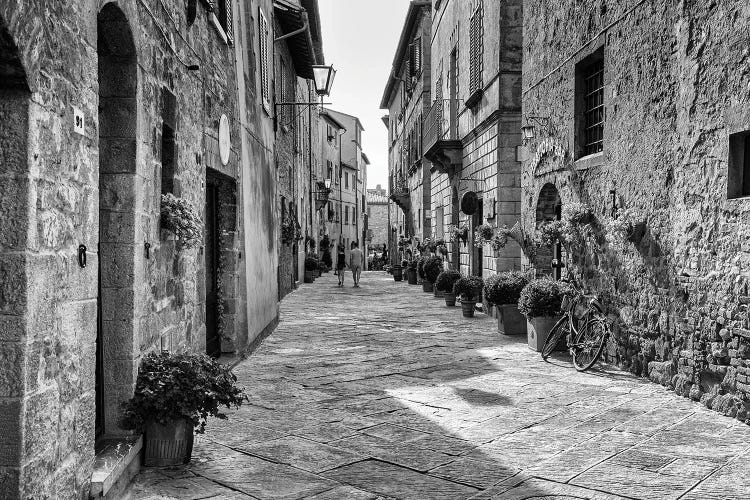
(213, 340)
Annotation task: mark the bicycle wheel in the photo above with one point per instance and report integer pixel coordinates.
(589, 344)
(558, 332)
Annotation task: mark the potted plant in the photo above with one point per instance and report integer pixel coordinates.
(311, 268)
(432, 267)
(459, 233)
(627, 225)
(541, 302)
(444, 283)
(174, 395)
(483, 235)
(397, 273)
(411, 272)
(466, 287)
(426, 284)
(179, 217)
(503, 291)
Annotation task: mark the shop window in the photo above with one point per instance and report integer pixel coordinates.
(738, 178)
(590, 113)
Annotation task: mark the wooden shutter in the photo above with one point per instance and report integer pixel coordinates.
(475, 50)
(227, 21)
(263, 63)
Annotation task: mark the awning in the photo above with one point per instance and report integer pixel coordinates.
(293, 18)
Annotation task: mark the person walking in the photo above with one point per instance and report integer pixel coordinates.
(340, 263)
(356, 259)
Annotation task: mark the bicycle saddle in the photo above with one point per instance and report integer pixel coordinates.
(596, 305)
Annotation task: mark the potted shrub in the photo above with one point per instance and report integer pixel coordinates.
(420, 273)
(174, 395)
(541, 302)
(503, 291)
(311, 269)
(469, 289)
(433, 266)
(483, 235)
(411, 272)
(444, 283)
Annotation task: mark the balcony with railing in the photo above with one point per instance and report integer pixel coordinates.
(400, 194)
(441, 143)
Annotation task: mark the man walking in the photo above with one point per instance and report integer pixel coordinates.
(356, 259)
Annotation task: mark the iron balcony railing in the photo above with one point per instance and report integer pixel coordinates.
(441, 123)
(399, 186)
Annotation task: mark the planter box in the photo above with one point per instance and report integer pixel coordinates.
(310, 276)
(397, 276)
(427, 287)
(467, 308)
(538, 329)
(450, 299)
(170, 444)
(510, 321)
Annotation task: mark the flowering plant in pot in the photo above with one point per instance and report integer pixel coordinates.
(174, 396)
(541, 302)
(411, 272)
(628, 225)
(469, 288)
(432, 267)
(444, 283)
(179, 217)
(483, 235)
(503, 290)
(459, 233)
(311, 268)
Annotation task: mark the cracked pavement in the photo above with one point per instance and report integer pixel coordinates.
(382, 392)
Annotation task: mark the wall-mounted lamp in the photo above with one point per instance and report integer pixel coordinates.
(528, 131)
(323, 78)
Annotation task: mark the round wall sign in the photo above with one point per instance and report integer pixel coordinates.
(469, 203)
(225, 142)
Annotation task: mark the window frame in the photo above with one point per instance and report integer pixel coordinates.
(590, 100)
(263, 56)
(738, 166)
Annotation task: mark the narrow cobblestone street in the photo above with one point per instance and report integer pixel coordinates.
(383, 392)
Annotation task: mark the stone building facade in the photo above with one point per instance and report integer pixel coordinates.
(105, 106)
(472, 128)
(377, 218)
(642, 108)
(407, 99)
(348, 192)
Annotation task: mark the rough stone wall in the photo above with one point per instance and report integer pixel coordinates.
(676, 79)
(48, 304)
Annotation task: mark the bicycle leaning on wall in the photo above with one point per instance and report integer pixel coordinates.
(586, 333)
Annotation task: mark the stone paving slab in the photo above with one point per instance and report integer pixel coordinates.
(382, 392)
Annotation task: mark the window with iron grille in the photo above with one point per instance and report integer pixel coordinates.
(590, 102)
(263, 34)
(224, 14)
(476, 49)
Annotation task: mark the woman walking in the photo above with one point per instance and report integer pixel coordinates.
(341, 263)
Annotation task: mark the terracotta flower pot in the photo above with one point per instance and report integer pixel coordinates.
(426, 286)
(509, 320)
(450, 299)
(467, 308)
(538, 329)
(170, 444)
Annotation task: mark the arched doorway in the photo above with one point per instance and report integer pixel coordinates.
(116, 348)
(548, 208)
(14, 227)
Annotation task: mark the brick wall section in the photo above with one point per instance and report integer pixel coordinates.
(679, 297)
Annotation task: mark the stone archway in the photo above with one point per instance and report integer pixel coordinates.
(116, 348)
(548, 208)
(15, 208)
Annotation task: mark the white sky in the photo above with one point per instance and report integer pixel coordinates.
(359, 39)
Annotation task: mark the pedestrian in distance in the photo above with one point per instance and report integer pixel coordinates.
(341, 263)
(356, 259)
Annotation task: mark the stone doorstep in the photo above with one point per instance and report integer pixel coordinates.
(116, 459)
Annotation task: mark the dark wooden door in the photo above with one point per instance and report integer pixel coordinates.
(476, 221)
(99, 375)
(213, 340)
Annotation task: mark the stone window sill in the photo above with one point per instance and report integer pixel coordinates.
(590, 161)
